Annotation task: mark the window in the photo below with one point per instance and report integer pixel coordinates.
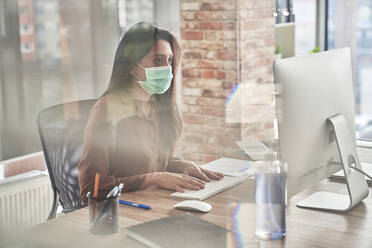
(67, 55)
(305, 11)
(355, 32)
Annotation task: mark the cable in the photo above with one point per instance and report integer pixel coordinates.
(360, 171)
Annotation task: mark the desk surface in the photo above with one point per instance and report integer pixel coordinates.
(233, 209)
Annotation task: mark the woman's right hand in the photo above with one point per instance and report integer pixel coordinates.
(178, 182)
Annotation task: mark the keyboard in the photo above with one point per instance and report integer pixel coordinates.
(211, 188)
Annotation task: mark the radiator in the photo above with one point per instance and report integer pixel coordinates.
(25, 200)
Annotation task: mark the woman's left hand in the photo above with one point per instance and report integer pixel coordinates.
(192, 169)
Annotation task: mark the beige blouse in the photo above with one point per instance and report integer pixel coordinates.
(122, 144)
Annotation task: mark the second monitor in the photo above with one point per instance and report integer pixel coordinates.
(315, 108)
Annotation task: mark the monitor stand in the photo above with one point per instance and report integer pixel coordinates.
(355, 181)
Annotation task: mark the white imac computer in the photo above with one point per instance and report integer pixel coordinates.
(315, 108)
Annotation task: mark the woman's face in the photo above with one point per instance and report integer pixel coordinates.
(160, 55)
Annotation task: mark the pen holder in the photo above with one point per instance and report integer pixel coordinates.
(103, 215)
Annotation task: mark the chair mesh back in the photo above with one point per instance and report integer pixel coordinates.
(61, 130)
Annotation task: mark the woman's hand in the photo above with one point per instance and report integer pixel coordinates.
(192, 169)
(178, 182)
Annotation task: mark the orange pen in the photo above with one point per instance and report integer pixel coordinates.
(95, 194)
(96, 184)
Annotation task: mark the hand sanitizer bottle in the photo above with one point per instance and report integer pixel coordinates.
(271, 176)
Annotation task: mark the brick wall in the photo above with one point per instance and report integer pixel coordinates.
(228, 50)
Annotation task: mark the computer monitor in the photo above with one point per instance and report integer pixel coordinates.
(315, 111)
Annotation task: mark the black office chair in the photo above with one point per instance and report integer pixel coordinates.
(61, 129)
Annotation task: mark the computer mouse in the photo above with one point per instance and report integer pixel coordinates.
(193, 205)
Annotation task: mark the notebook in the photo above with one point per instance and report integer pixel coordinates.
(180, 231)
(230, 167)
(255, 149)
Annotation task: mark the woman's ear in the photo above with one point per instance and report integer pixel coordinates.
(138, 73)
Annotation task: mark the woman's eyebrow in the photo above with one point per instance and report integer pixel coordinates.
(162, 55)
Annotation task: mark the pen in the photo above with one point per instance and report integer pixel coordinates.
(244, 169)
(134, 204)
(95, 193)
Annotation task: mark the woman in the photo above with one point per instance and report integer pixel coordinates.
(133, 128)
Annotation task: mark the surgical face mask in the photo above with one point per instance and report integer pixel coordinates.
(158, 79)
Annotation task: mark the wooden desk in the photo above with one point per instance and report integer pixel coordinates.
(233, 209)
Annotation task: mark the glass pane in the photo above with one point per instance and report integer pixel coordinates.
(66, 50)
(305, 11)
(355, 32)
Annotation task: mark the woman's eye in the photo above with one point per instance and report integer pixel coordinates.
(170, 61)
(158, 61)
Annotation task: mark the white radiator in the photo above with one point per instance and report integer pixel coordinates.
(25, 200)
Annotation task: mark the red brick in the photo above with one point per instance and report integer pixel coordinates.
(216, 15)
(221, 94)
(188, 15)
(190, 73)
(229, 25)
(191, 91)
(188, 64)
(192, 35)
(211, 35)
(190, 6)
(212, 111)
(248, 64)
(207, 93)
(221, 75)
(230, 75)
(205, 64)
(250, 24)
(225, 5)
(189, 83)
(196, 119)
(191, 109)
(192, 55)
(227, 55)
(227, 85)
(206, 6)
(247, 4)
(211, 55)
(207, 101)
(189, 25)
(211, 25)
(260, 62)
(211, 45)
(229, 65)
(229, 35)
(270, 42)
(214, 121)
(191, 100)
(209, 74)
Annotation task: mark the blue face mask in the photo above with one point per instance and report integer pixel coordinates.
(158, 79)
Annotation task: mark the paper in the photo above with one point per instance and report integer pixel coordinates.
(255, 149)
(230, 167)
